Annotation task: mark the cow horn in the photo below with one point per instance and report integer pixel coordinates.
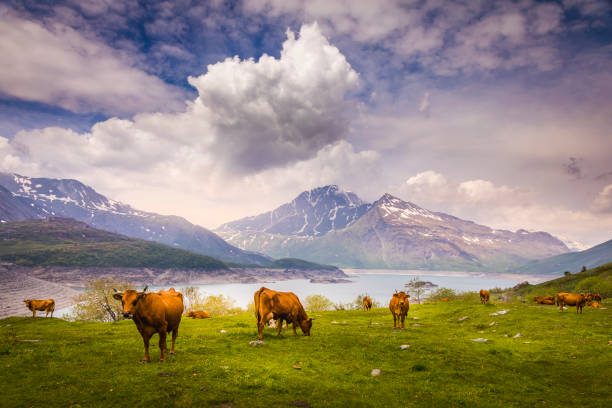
(145, 289)
(115, 290)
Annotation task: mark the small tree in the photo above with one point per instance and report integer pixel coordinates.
(442, 293)
(97, 302)
(317, 303)
(191, 296)
(583, 269)
(417, 287)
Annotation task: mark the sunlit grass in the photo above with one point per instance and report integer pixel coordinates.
(560, 358)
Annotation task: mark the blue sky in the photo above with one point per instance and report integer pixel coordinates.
(497, 111)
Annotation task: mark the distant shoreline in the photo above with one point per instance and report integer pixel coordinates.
(531, 278)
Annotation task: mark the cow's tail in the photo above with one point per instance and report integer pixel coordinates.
(256, 300)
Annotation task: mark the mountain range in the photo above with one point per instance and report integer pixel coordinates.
(389, 233)
(24, 198)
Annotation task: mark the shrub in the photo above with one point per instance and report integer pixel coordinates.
(595, 284)
(317, 303)
(469, 296)
(218, 305)
(97, 302)
(441, 293)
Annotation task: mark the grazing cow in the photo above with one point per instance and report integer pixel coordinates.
(572, 299)
(484, 296)
(545, 300)
(153, 313)
(366, 304)
(445, 299)
(270, 304)
(399, 306)
(198, 314)
(46, 305)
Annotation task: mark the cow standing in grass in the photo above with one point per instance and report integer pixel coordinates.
(484, 296)
(270, 304)
(153, 313)
(45, 305)
(366, 304)
(572, 299)
(399, 306)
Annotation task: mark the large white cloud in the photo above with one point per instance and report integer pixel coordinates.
(57, 65)
(274, 125)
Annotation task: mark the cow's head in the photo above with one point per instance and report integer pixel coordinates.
(129, 299)
(306, 324)
(27, 302)
(402, 297)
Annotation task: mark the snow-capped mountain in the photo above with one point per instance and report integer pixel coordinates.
(26, 198)
(312, 213)
(393, 233)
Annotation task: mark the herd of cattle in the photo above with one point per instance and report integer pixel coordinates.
(161, 312)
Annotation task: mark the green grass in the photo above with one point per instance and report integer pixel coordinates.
(561, 359)
(66, 242)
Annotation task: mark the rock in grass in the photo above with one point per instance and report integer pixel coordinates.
(375, 372)
(256, 342)
(463, 318)
(517, 335)
(297, 367)
(480, 340)
(405, 346)
(222, 331)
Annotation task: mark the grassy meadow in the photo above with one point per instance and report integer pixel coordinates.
(560, 359)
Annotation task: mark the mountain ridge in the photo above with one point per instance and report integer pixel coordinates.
(393, 233)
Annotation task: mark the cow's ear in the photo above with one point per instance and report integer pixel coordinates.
(407, 296)
(118, 296)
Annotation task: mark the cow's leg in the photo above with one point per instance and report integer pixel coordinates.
(146, 337)
(294, 327)
(394, 321)
(279, 325)
(403, 317)
(174, 336)
(162, 345)
(34, 313)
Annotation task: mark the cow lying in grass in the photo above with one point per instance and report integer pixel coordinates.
(45, 305)
(197, 314)
(153, 313)
(545, 300)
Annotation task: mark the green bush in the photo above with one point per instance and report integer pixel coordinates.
(441, 293)
(595, 284)
(317, 303)
(218, 305)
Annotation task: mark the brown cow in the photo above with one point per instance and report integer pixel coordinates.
(198, 314)
(270, 304)
(46, 305)
(484, 296)
(366, 304)
(558, 296)
(595, 304)
(399, 306)
(572, 299)
(153, 313)
(545, 300)
(596, 297)
(445, 299)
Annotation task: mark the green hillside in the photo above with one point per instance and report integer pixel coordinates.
(572, 261)
(66, 242)
(294, 263)
(593, 280)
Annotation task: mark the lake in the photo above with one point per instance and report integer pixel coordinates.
(378, 284)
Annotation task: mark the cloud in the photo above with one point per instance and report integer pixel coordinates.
(572, 168)
(603, 201)
(62, 67)
(271, 124)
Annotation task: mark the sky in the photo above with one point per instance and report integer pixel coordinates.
(499, 112)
